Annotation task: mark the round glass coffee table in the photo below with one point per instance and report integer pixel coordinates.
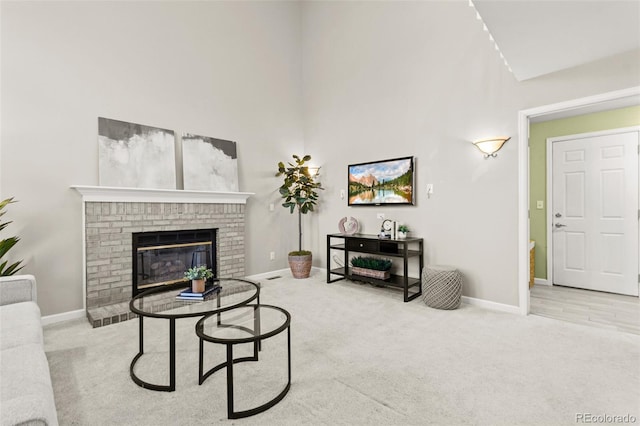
(250, 323)
(162, 303)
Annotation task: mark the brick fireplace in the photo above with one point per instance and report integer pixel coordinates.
(113, 215)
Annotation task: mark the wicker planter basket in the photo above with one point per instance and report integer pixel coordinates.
(300, 266)
(371, 273)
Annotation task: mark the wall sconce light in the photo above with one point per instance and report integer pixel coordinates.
(490, 147)
(314, 171)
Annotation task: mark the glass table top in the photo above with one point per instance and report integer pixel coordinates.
(163, 303)
(243, 324)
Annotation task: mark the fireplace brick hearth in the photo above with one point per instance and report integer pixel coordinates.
(108, 229)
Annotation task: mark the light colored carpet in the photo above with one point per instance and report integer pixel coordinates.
(360, 356)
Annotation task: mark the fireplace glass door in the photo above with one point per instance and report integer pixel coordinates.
(161, 258)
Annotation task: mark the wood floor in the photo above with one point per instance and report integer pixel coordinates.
(593, 308)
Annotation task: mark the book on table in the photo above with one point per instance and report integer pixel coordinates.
(189, 294)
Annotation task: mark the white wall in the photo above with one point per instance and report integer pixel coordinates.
(381, 79)
(391, 79)
(229, 70)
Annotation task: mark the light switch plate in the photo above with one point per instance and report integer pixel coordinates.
(540, 204)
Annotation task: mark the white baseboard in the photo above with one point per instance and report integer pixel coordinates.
(486, 304)
(65, 316)
(481, 303)
(541, 281)
(494, 306)
(283, 273)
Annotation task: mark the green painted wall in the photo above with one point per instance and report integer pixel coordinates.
(538, 134)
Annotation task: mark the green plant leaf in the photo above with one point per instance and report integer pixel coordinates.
(11, 270)
(7, 244)
(6, 202)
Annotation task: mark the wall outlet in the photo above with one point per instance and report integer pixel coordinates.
(272, 255)
(380, 216)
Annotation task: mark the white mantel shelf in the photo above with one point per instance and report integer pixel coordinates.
(141, 195)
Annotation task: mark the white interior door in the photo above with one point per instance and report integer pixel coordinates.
(595, 212)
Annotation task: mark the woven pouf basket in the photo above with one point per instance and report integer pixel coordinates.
(441, 287)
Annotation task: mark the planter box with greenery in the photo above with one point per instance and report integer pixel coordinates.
(373, 267)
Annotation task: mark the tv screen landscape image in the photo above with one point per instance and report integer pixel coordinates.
(381, 182)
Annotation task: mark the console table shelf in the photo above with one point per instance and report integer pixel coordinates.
(371, 244)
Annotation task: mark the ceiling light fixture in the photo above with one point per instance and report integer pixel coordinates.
(490, 147)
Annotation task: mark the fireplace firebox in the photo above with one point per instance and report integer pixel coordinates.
(160, 258)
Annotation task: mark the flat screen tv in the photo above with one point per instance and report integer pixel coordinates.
(387, 182)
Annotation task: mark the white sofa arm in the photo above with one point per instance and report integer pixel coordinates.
(17, 288)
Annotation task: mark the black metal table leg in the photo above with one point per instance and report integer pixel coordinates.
(172, 354)
(141, 335)
(229, 380)
(200, 361)
(256, 325)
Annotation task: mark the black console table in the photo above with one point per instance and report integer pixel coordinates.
(362, 243)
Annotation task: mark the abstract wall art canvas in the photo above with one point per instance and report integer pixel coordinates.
(135, 156)
(209, 164)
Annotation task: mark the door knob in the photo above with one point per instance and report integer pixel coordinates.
(558, 215)
(559, 225)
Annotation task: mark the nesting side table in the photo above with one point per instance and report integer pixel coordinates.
(249, 324)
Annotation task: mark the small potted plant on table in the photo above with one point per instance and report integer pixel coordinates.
(198, 275)
(403, 230)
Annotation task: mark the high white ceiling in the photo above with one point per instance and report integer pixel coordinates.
(538, 37)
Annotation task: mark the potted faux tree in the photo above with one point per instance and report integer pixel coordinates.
(299, 191)
(198, 275)
(6, 244)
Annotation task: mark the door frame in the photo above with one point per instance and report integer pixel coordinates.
(524, 117)
(549, 199)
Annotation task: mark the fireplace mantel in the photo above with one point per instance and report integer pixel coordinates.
(134, 195)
